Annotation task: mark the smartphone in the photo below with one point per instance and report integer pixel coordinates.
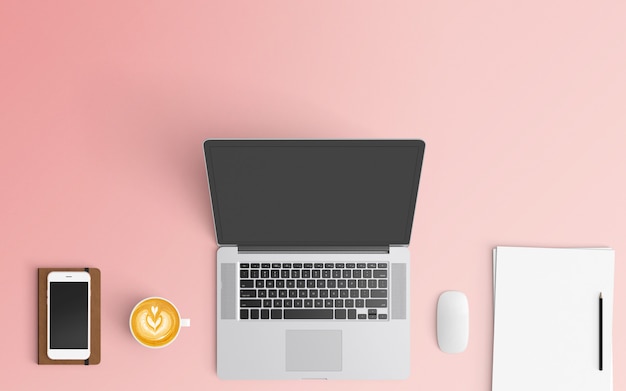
(69, 315)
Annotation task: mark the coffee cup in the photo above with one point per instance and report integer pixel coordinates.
(155, 322)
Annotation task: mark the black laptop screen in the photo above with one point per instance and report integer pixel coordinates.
(313, 192)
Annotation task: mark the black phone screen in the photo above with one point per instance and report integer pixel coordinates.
(69, 315)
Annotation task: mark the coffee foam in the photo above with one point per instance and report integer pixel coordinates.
(155, 322)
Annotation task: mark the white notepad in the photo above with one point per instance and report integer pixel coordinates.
(546, 319)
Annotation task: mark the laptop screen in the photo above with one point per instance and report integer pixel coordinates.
(313, 192)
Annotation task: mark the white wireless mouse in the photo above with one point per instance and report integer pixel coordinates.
(452, 322)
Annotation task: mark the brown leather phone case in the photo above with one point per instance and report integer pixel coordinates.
(94, 357)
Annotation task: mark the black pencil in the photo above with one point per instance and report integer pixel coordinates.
(600, 318)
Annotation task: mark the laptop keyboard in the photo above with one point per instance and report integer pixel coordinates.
(313, 291)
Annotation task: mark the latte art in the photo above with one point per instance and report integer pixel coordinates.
(155, 322)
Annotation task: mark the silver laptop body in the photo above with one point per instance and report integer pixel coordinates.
(312, 273)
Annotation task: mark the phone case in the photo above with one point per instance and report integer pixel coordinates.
(94, 357)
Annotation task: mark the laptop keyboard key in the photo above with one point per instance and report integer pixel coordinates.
(376, 303)
(308, 314)
(249, 303)
(340, 314)
(378, 293)
(380, 273)
(243, 314)
(246, 283)
(277, 314)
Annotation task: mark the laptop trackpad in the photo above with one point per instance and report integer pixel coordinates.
(313, 350)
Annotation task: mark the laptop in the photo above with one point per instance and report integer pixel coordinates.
(313, 260)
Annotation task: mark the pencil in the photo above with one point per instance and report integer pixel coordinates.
(600, 320)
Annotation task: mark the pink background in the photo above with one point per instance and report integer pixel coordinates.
(104, 107)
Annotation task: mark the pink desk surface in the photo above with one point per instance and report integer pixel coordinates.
(104, 107)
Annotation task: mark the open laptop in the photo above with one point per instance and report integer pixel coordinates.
(313, 260)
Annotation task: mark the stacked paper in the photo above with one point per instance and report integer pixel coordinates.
(547, 319)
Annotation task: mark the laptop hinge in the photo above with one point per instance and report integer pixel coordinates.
(313, 249)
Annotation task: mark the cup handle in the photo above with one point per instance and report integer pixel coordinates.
(185, 322)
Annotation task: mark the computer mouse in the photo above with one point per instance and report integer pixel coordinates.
(452, 322)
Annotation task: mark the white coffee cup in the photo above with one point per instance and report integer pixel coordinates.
(155, 322)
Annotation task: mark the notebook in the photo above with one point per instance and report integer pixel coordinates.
(313, 261)
(547, 319)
